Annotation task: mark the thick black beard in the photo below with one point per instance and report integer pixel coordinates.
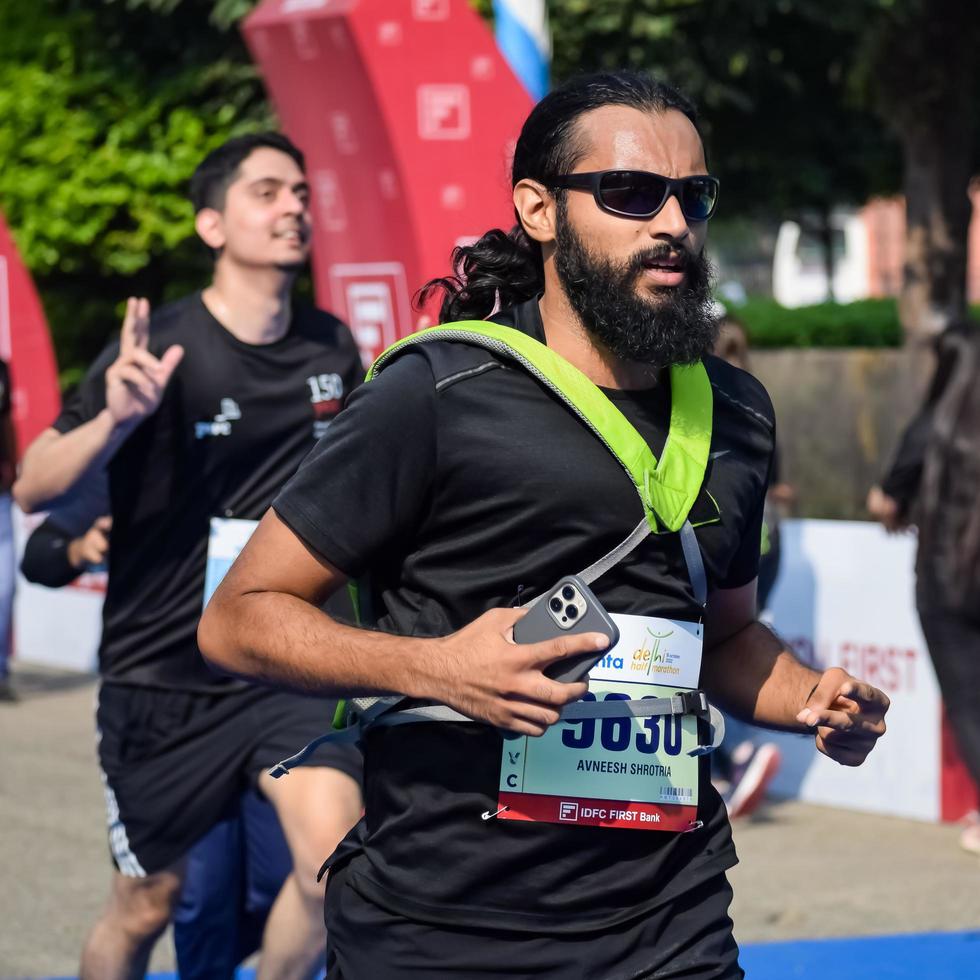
(678, 326)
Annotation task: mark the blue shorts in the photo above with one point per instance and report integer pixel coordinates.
(234, 874)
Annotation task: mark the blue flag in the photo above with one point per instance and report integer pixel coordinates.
(524, 40)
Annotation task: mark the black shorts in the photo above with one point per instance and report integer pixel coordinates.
(173, 762)
(691, 938)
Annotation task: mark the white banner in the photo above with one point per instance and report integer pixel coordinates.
(845, 597)
(56, 627)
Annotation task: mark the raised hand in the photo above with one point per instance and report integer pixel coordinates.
(481, 672)
(847, 714)
(135, 381)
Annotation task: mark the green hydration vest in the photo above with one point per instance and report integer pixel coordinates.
(667, 488)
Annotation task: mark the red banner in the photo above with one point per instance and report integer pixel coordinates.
(25, 346)
(408, 115)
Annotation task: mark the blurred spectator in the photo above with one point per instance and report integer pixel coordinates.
(934, 482)
(203, 412)
(8, 463)
(743, 767)
(732, 345)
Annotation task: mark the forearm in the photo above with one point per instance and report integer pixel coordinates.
(902, 480)
(47, 558)
(756, 678)
(283, 640)
(54, 463)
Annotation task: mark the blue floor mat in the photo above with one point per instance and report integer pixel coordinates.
(923, 956)
(916, 956)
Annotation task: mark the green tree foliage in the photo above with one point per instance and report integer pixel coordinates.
(105, 110)
(920, 69)
(808, 105)
(772, 79)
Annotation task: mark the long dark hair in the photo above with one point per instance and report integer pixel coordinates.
(505, 268)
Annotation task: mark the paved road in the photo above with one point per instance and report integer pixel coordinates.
(806, 871)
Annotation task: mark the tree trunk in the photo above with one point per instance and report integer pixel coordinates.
(938, 209)
(925, 70)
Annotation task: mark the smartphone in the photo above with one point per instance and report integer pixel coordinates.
(567, 607)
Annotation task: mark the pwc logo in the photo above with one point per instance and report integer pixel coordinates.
(220, 425)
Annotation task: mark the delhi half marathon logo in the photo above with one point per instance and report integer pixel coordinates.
(653, 657)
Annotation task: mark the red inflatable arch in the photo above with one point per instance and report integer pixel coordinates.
(408, 116)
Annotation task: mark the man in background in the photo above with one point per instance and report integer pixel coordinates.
(203, 412)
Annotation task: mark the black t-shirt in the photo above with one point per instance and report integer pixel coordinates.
(235, 421)
(480, 481)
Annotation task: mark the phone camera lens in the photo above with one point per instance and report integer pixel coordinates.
(555, 604)
(568, 592)
(571, 612)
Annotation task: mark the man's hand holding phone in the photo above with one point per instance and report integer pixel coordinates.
(481, 672)
(568, 608)
(517, 668)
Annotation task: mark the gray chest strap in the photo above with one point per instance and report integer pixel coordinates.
(684, 703)
(689, 546)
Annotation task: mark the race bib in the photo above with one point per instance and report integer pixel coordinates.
(634, 773)
(225, 542)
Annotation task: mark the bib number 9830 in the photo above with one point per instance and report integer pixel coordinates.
(661, 732)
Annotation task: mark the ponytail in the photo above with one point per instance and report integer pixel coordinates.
(496, 272)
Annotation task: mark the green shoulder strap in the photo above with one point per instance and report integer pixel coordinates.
(668, 487)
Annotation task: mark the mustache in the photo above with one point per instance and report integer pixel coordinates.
(660, 253)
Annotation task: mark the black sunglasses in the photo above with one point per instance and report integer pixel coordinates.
(641, 194)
